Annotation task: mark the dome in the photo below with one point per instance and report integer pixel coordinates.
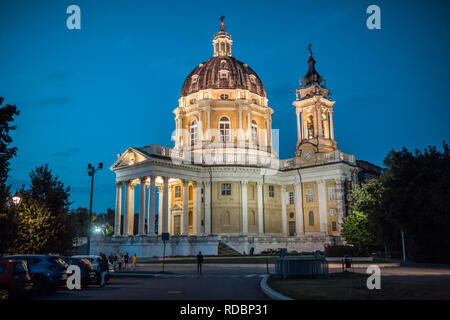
(223, 72)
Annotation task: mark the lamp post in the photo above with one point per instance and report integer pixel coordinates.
(16, 199)
(91, 172)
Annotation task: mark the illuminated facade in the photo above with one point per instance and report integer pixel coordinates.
(223, 180)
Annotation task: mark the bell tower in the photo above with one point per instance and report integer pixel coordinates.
(314, 110)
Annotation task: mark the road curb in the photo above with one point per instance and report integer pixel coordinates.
(270, 292)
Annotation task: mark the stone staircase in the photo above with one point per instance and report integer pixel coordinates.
(224, 250)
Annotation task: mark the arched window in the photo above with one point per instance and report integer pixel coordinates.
(311, 218)
(224, 127)
(254, 132)
(193, 131)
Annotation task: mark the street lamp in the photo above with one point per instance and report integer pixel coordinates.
(98, 229)
(16, 199)
(91, 172)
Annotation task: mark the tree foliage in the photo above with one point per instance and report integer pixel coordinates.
(355, 229)
(413, 195)
(7, 219)
(43, 215)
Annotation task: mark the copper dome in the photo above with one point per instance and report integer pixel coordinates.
(207, 75)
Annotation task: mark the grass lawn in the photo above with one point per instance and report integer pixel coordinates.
(352, 286)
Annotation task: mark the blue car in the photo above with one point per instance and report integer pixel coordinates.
(47, 271)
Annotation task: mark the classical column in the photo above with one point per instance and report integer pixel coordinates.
(185, 219)
(299, 136)
(322, 206)
(165, 205)
(200, 127)
(298, 200)
(260, 208)
(244, 184)
(319, 121)
(151, 207)
(197, 208)
(340, 200)
(207, 207)
(131, 211)
(126, 211)
(331, 125)
(249, 125)
(160, 209)
(240, 124)
(283, 209)
(118, 211)
(208, 132)
(169, 211)
(269, 131)
(141, 229)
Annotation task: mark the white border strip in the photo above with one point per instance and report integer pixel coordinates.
(270, 292)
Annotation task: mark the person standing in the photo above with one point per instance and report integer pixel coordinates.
(134, 259)
(199, 262)
(121, 261)
(103, 269)
(125, 260)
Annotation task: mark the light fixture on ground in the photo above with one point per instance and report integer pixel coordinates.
(91, 172)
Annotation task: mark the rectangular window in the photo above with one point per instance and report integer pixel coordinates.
(177, 191)
(226, 189)
(334, 226)
(309, 195)
(291, 197)
(331, 193)
(271, 191)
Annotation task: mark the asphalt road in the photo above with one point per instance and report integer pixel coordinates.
(183, 284)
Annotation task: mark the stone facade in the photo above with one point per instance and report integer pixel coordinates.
(223, 179)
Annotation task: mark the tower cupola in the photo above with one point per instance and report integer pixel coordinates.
(222, 41)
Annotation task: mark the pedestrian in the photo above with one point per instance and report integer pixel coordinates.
(134, 259)
(199, 262)
(121, 261)
(125, 260)
(103, 269)
(252, 250)
(115, 262)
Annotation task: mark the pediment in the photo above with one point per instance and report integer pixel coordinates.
(129, 157)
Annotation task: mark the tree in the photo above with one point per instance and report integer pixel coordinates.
(355, 229)
(417, 201)
(7, 218)
(48, 197)
(37, 228)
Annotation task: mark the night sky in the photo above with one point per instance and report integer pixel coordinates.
(86, 95)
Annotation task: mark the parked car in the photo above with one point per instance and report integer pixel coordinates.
(47, 271)
(94, 261)
(88, 273)
(15, 280)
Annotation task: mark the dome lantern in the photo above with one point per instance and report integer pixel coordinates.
(222, 41)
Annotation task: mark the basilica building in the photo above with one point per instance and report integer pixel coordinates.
(222, 183)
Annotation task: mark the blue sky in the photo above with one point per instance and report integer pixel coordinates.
(86, 95)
